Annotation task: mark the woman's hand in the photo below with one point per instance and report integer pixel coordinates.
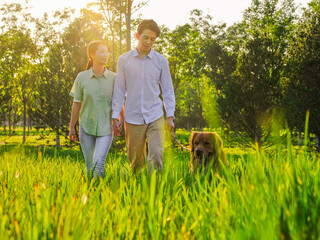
(76, 106)
(72, 134)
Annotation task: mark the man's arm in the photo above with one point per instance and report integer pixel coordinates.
(119, 90)
(167, 93)
(119, 123)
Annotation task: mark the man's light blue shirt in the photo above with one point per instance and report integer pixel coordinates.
(139, 80)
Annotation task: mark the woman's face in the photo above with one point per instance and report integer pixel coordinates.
(101, 55)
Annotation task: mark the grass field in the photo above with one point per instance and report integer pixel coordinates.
(264, 194)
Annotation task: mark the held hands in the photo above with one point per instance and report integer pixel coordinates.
(117, 126)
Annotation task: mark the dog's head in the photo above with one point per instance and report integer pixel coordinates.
(204, 147)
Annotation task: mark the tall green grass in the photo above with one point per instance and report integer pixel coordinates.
(274, 194)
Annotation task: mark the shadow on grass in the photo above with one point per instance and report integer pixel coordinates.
(45, 151)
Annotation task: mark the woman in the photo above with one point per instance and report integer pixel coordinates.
(92, 92)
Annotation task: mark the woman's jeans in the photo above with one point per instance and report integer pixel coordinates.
(95, 150)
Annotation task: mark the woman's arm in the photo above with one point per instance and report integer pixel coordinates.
(76, 107)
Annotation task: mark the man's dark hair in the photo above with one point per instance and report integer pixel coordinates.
(150, 25)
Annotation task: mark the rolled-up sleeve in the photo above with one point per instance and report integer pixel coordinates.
(76, 90)
(119, 90)
(167, 89)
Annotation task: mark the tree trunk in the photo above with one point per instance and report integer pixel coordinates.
(57, 131)
(189, 120)
(57, 138)
(4, 123)
(113, 52)
(128, 24)
(29, 123)
(9, 118)
(226, 136)
(24, 120)
(258, 136)
(14, 123)
(300, 139)
(258, 140)
(202, 118)
(120, 30)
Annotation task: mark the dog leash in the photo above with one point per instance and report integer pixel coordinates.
(172, 134)
(176, 140)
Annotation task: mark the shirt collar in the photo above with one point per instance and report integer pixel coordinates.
(135, 52)
(150, 54)
(91, 74)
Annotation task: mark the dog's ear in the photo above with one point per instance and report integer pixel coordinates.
(194, 134)
(219, 152)
(217, 141)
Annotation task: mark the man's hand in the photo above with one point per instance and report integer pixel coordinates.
(170, 124)
(121, 124)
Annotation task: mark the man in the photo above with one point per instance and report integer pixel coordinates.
(140, 74)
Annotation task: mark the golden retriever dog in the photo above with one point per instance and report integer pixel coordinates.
(206, 151)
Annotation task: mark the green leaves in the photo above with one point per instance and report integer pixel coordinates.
(302, 89)
(249, 79)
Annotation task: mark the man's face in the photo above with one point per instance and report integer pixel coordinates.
(146, 40)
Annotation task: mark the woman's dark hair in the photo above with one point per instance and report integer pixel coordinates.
(91, 49)
(150, 25)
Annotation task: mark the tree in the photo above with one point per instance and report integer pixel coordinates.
(17, 54)
(185, 48)
(61, 58)
(182, 46)
(5, 85)
(303, 84)
(111, 12)
(24, 87)
(249, 97)
(53, 102)
(130, 8)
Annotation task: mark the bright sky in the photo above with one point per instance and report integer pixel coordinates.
(167, 12)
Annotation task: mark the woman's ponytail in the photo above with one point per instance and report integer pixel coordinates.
(89, 64)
